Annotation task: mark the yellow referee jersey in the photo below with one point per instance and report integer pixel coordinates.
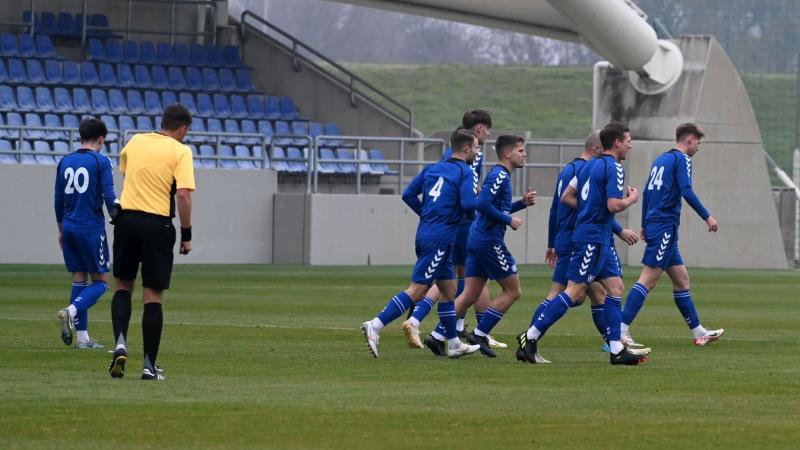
(154, 166)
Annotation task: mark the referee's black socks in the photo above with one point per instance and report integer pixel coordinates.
(121, 316)
(152, 322)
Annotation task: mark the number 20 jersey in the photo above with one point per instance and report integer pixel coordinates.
(83, 182)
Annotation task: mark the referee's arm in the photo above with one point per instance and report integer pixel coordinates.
(184, 200)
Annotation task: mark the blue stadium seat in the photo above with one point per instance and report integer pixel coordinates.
(79, 25)
(195, 161)
(221, 105)
(205, 107)
(242, 151)
(255, 106)
(175, 78)
(113, 49)
(288, 109)
(279, 160)
(213, 125)
(144, 123)
(44, 99)
(272, 108)
(111, 125)
(44, 47)
(113, 149)
(343, 154)
(181, 55)
(226, 150)
(165, 55)
(300, 129)
(6, 147)
(101, 21)
(207, 155)
(116, 102)
(376, 155)
(4, 133)
(130, 52)
(48, 24)
(63, 100)
(315, 129)
(187, 100)
(26, 46)
(33, 120)
(194, 79)
(60, 148)
(3, 71)
(66, 25)
(159, 77)
(169, 98)
(89, 74)
(44, 155)
(25, 146)
(226, 81)
(16, 71)
(125, 124)
(8, 100)
(100, 103)
(210, 82)
(14, 119)
(327, 167)
(52, 72)
(214, 53)
(249, 127)
(25, 98)
(366, 167)
(35, 72)
(332, 130)
(29, 19)
(243, 81)
(296, 166)
(141, 77)
(124, 75)
(232, 126)
(107, 76)
(80, 100)
(8, 45)
(198, 126)
(152, 103)
(265, 129)
(238, 107)
(72, 73)
(53, 121)
(135, 102)
(230, 56)
(96, 51)
(282, 129)
(258, 152)
(147, 53)
(199, 56)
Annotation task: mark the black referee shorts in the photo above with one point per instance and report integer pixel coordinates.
(148, 239)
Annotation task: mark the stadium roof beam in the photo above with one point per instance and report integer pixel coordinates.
(615, 29)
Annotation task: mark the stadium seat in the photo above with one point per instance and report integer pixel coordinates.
(130, 52)
(44, 47)
(124, 75)
(377, 155)
(175, 78)
(43, 154)
(100, 104)
(195, 161)
(16, 71)
(226, 151)
(52, 72)
(71, 121)
(48, 24)
(288, 109)
(187, 100)
(295, 154)
(205, 107)
(332, 130)
(232, 126)
(8, 45)
(3, 71)
(207, 156)
(63, 100)
(26, 46)
(5, 132)
(221, 106)
(260, 154)
(106, 75)
(265, 129)
(8, 100)
(255, 106)
(181, 55)
(53, 121)
(226, 81)
(327, 167)
(113, 49)
(210, 82)
(5, 146)
(147, 53)
(199, 57)
(89, 74)
(279, 160)
(141, 77)
(198, 126)
(33, 120)
(35, 72)
(14, 119)
(241, 151)
(366, 168)
(249, 127)
(116, 102)
(213, 125)
(315, 129)
(282, 129)
(238, 107)
(96, 51)
(346, 155)
(243, 81)
(111, 125)
(72, 73)
(300, 129)
(61, 149)
(159, 77)
(125, 124)
(30, 19)
(194, 79)
(66, 25)
(25, 146)
(152, 103)
(44, 99)
(25, 99)
(272, 108)
(100, 25)
(214, 54)
(80, 101)
(135, 102)
(230, 56)
(169, 98)
(79, 25)
(143, 123)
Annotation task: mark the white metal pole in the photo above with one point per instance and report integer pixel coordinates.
(797, 206)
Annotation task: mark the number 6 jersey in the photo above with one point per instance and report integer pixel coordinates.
(83, 182)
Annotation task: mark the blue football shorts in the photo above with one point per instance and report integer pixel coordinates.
(459, 257)
(562, 266)
(592, 261)
(433, 262)
(85, 251)
(491, 260)
(662, 246)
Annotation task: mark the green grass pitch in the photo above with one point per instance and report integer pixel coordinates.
(272, 357)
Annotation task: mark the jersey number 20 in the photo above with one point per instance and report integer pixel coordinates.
(436, 190)
(655, 178)
(77, 180)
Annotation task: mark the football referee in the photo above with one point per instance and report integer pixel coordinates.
(158, 170)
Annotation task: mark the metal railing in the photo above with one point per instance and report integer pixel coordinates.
(355, 85)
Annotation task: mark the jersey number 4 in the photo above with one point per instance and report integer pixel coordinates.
(77, 180)
(436, 190)
(655, 178)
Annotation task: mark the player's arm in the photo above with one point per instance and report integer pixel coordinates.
(685, 184)
(617, 201)
(467, 197)
(184, 183)
(107, 187)
(627, 235)
(412, 192)
(570, 194)
(485, 202)
(528, 199)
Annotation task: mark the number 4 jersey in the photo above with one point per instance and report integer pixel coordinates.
(83, 182)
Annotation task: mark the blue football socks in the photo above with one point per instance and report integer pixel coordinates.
(634, 303)
(489, 320)
(395, 308)
(598, 317)
(683, 300)
(447, 319)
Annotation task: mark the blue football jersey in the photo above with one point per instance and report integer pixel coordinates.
(83, 183)
(562, 216)
(670, 179)
(477, 169)
(599, 179)
(493, 207)
(447, 196)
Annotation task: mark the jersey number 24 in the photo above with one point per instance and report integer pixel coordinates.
(655, 178)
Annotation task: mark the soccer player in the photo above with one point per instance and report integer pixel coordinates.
(487, 254)
(670, 180)
(479, 122)
(447, 195)
(83, 183)
(600, 195)
(158, 169)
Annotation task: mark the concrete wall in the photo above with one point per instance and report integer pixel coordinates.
(231, 216)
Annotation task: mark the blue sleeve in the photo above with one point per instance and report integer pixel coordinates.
(412, 192)
(615, 180)
(59, 195)
(107, 183)
(485, 199)
(685, 183)
(616, 228)
(518, 205)
(552, 223)
(467, 194)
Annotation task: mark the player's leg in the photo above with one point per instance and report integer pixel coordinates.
(683, 300)
(127, 256)
(597, 297)
(74, 264)
(511, 291)
(472, 289)
(394, 309)
(447, 319)
(83, 302)
(635, 300)
(420, 310)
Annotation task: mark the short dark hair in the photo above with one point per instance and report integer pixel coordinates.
(475, 117)
(506, 141)
(687, 129)
(612, 132)
(92, 129)
(175, 116)
(460, 138)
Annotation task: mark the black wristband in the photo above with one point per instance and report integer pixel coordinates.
(186, 234)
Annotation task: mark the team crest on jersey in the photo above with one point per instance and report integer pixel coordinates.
(501, 177)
